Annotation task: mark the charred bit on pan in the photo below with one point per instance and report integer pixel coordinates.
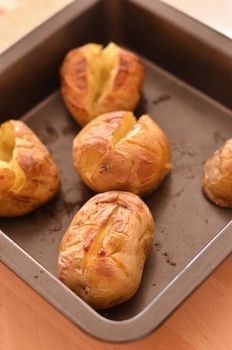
(172, 263)
(161, 99)
(68, 130)
(157, 246)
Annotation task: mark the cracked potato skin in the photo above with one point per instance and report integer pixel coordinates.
(30, 177)
(88, 93)
(217, 178)
(102, 254)
(117, 152)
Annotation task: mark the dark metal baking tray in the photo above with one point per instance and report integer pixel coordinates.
(192, 235)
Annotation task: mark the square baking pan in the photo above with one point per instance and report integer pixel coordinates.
(188, 84)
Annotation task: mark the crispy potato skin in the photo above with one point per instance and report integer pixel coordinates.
(34, 166)
(121, 90)
(137, 162)
(102, 254)
(217, 178)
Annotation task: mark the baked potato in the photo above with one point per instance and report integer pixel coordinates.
(96, 80)
(28, 174)
(117, 152)
(217, 178)
(102, 254)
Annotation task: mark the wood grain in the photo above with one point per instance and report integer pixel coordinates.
(203, 322)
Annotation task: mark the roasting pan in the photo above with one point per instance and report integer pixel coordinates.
(188, 84)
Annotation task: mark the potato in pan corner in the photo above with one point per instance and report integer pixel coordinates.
(96, 80)
(103, 251)
(217, 178)
(117, 152)
(28, 174)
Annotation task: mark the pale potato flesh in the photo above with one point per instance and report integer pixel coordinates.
(7, 160)
(29, 177)
(102, 253)
(7, 143)
(217, 179)
(117, 152)
(101, 71)
(95, 80)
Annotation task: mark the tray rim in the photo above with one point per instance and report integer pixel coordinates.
(76, 8)
(26, 267)
(140, 325)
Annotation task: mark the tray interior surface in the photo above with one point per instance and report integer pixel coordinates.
(185, 221)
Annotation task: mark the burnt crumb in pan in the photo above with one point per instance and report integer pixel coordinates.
(53, 211)
(181, 149)
(161, 99)
(179, 193)
(168, 260)
(142, 107)
(68, 207)
(63, 207)
(68, 130)
(51, 132)
(163, 230)
(47, 133)
(55, 226)
(165, 254)
(157, 246)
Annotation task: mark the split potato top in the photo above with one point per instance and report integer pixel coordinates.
(102, 254)
(96, 80)
(217, 179)
(28, 174)
(117, 152)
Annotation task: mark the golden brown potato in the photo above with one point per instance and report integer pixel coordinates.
(96, 80)
(117, 152)
(103, 252)
(28, 174)
(217, 179)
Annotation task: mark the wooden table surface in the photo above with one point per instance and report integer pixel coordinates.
(28, 322)
(203, 322)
